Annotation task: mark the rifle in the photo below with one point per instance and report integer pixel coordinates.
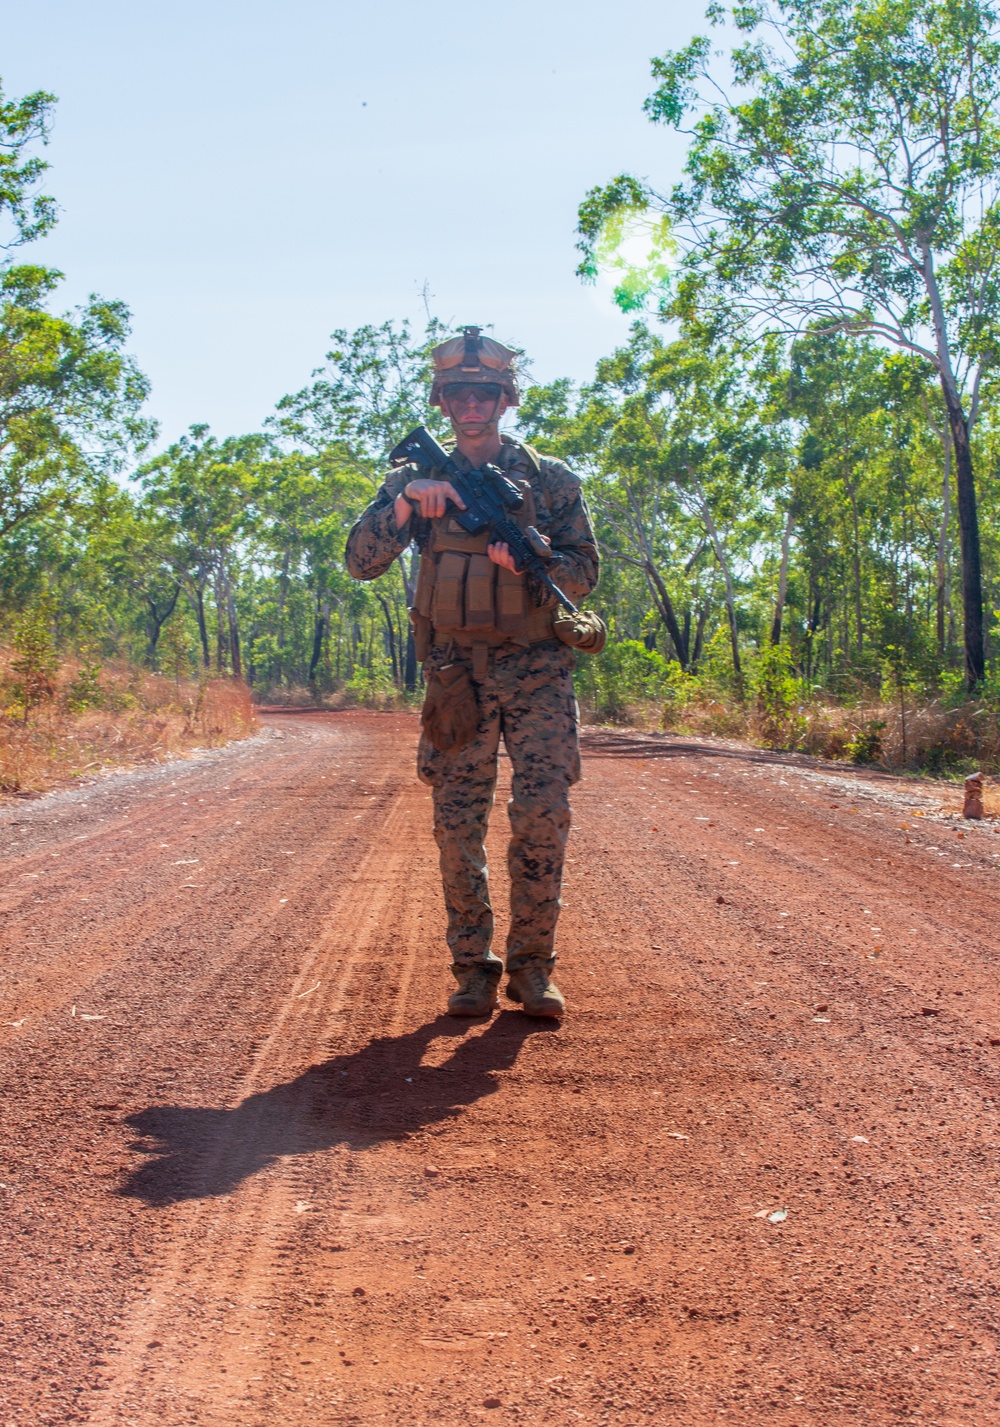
(488, 497)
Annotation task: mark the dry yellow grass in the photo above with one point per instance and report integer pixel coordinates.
(991, 800)
(81, 722)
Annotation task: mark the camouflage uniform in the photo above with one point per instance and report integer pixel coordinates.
(527, 696)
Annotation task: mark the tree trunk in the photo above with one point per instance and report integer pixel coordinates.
(157, 621)
(720, 555)
(221, 650)
(812, 625)
(859, 627)
(661, 597)
(199, 609)
(282, 598)
(390, 630)
(322, 615)
(943, 592)
(699, 634)
(659, 591)
(234, 627)
(965, 486)
(779, 606)
(972, 567)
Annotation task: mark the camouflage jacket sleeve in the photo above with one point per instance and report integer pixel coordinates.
(568, 527)
(375, 541)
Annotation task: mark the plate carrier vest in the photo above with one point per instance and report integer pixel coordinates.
(464, 597)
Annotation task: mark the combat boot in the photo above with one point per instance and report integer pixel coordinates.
(477, 989)
(538, 995)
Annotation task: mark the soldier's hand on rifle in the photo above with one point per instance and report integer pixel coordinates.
(431, 497)
(500, 553)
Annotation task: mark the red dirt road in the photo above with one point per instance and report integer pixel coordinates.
(249, 1175)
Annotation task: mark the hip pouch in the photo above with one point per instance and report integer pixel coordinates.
(450, 715)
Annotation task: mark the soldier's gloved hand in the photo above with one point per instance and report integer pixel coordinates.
(500, 553)
(431, 496)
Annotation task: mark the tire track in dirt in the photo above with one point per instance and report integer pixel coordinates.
(338, 1206)
(233, 1253)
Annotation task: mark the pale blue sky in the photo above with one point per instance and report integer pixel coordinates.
(249, 176)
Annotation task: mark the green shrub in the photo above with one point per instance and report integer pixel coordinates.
(780, 698)
(866, 746)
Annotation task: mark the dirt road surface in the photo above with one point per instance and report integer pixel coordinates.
(250, 1175)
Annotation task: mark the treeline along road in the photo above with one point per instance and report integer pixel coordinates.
(249, 1174)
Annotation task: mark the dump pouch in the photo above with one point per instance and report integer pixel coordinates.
(450, 715)
(584, 631)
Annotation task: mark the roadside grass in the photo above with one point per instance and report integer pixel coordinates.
(72, 719)
(882, 722)
(937, 741)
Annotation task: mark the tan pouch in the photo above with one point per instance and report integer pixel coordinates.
(423, 634)
(511, 602)
(479, 593)
(584, 631)
(450, 715)
(425, 585)
(447, 612)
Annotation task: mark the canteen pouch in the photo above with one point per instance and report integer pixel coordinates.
(450, 715)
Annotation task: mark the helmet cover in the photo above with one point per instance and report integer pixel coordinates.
(477, 359)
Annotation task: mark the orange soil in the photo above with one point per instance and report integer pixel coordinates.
(250, 1175)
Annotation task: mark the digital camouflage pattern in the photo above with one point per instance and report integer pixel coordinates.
(527, 698)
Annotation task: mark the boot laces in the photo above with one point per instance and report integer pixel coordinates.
(538, 979)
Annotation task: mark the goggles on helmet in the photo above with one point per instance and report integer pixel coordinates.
(482, 393)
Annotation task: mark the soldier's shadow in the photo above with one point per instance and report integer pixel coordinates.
(378, 1093)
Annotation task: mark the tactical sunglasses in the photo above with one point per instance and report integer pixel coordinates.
(482, 393)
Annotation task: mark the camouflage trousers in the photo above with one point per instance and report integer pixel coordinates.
(527, 698)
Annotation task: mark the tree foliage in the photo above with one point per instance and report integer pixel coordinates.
(850, 178)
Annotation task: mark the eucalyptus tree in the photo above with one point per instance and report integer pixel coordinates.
(373, 388)
(206, 488)
(852, 177)
(139, 550)
(307, 502)
(25, 214)
(70, 398)
(679, 461)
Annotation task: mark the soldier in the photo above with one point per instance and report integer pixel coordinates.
(476, 623)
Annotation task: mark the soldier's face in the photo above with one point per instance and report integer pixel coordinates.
(473, 409)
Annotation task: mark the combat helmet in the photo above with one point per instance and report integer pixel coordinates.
(474, 358)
